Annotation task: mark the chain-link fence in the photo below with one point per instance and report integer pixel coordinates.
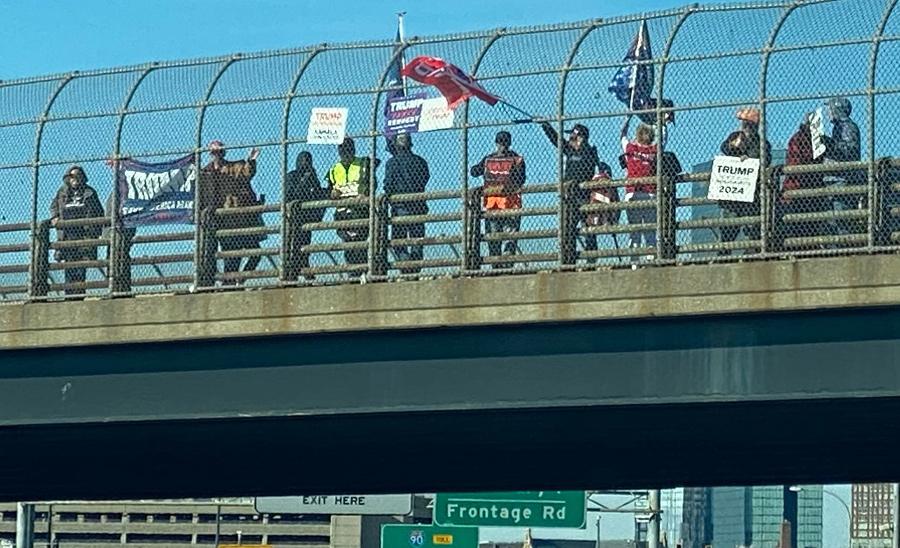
(258, 205)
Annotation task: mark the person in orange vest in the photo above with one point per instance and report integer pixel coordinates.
(504, 176)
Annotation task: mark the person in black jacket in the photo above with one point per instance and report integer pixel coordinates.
(75, 199)
(581, 164)
(302, 185)
(406, 173)
(744, 143)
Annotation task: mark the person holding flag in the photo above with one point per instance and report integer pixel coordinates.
(581, 164)
(633, 84)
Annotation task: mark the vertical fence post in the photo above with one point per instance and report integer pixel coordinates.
(39, 277)
(877, 216)
(373, 202)
(119, 253)
(666, 191)
(472, 252)
(292, 222)
(40, 260)
(290, 273)
(203, 279)
(471, 221)
(768, 191)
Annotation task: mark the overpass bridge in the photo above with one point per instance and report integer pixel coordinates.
(691, 359)
(762, 372)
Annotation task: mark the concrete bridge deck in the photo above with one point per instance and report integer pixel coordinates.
(744, 373)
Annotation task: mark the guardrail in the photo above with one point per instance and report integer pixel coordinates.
(165, 110)
(561, 240)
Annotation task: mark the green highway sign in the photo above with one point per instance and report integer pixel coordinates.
(512, 508)
(428, 536)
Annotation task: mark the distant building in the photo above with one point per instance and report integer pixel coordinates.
(752, 516)
(871, 519)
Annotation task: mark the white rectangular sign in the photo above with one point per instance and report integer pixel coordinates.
(435, 115)
(817, 133)
(733, 180)
(327, 126)
(377, 505)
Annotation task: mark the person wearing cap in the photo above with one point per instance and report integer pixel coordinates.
(639, 157)
(744, 143)
(406, 173)
(348, 179)
(223, 185)
(844, 146)
(800, 153)
(504, 176)
(75, 199)
(581, 163)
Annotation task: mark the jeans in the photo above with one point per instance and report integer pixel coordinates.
(641, 216)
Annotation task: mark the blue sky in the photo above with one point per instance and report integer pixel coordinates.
(101, 33)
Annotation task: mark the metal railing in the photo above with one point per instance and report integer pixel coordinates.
(788, 58)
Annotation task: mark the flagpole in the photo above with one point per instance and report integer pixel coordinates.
(402, 34)
(634, 73)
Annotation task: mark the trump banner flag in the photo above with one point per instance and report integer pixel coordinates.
(455, 85)
(160, 193)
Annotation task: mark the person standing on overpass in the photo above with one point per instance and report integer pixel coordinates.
(406, 173)
(504, 176)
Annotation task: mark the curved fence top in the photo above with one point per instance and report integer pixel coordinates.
(785, 57)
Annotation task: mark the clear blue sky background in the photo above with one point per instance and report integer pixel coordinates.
(49, 36)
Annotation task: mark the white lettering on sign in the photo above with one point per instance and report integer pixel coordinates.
(513, 514)
(327, 126)
(733, 180)
(380, 505)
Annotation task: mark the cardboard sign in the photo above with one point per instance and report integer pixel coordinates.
(817, 132)
(435, 115)
(733, 180)
(327, 126)
(402, 114)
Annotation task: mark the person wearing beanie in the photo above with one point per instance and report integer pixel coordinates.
(504, 175)
(74, 200)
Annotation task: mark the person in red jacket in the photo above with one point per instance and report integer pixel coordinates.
(800, 153)
(640, 161)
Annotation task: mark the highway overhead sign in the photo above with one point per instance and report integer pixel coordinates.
(380, 505)
(428, 536)
(512, 508)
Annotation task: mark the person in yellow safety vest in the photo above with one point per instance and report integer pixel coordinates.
(347, 179)
(504, 175)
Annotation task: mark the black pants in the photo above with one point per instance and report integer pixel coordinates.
(233, 243)
(408, 231)
(76, 275)
(358, 234)
(731, 210)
